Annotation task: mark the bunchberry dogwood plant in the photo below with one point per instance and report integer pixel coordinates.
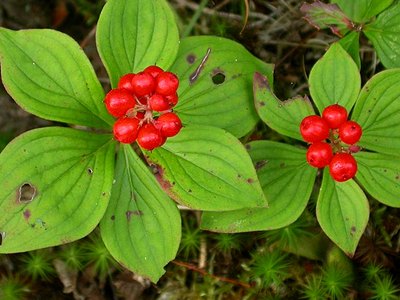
(163, 131)
(352, 141)
(377, 20)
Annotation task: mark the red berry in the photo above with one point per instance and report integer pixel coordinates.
(143, 84)
(172, 99)
(335, 115)
(119, 101)
(342, 167)
(169, 124)
(125, 82)
(350, 132)
(158, 102)
(314, 129)
(153, 71)
(149, 137)
(167, 83)
(126, 130)
(319, 154)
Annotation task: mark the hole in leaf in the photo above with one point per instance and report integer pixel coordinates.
(25, 193)
(90, 171)
(218, 78)
(2, 237)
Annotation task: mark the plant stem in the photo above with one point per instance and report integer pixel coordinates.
(194, 19)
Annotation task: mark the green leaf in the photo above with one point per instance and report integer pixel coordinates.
(48, 74)
(384, 33)
(282, 116)
(287, 181)
(207, 168)
(335, 79)
(55, 187)
(322, 15)
(342, 212)
(379, 174)
(351, 43)
(362, 10)
(132, 35)
(377, 111)
(216, 78)
(142, 226)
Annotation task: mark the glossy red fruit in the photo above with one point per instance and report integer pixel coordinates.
(169, 124)
(143, 84)
(335, 115)
(343, 167)
(153, 71)
(319, 154)
(158, 102)
(314, 129)
(125, 82)
(350, 132)
(126, 130)
(167, 83)
(172, 99)
(149, 137)
(119, 101)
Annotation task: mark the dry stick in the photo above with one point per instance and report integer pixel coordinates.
(246, 16)
(208, 11)
(203, 245)
(205, 273)
(88, 37)
(221, 5)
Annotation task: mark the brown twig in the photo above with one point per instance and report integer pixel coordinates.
(205, 273)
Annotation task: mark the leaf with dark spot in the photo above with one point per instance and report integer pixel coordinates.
(283, 116)
(322, 15)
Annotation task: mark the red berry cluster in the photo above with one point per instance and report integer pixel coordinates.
(341, 134)
(142, 104)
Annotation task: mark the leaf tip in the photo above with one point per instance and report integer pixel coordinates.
(260, 82)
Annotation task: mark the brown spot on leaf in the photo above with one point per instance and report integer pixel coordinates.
(191, 58)
(260, 164)
(282, 165)
(353, 230)
(27, 214)
(26, 193)
(260, 82)
(129, 214)
(250, 180)
(112, 218)
(261, 103)
(234, 76)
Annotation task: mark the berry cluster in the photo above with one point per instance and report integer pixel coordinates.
(342, 135)
(142, 104)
